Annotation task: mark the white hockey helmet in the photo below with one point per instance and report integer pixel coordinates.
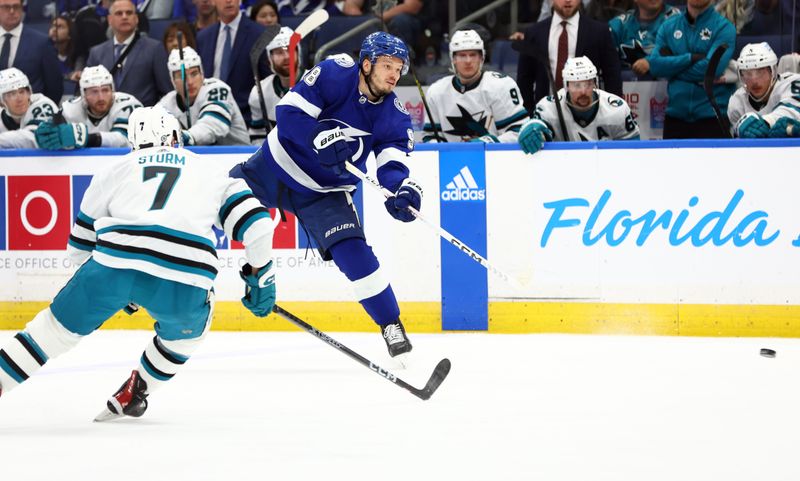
(190, 59)
(757, 55)
(464, 40)
(12, 79)
(95, 77)
(281, 41)
(577, 69)
(153, 127)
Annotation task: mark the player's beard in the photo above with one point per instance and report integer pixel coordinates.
(375, 89)
(281, 70)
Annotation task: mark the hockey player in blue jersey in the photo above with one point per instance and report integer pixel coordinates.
(339, 112)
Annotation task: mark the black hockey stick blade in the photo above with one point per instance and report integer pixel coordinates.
(261, 44)
(527, 48)
(708, 86)
(439, 373)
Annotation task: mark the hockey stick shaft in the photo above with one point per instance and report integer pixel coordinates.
(457, 243)
(259, 48)
(311, 23)
(184, 81)
(427, 108)
(439, 373)
(708, 86)
(529, 49)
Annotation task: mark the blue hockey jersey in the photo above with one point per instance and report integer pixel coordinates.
(329, 93)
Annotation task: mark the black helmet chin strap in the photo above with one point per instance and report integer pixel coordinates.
(366, 80)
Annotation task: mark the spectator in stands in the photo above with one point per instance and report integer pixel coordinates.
(64, 37)
(265, 12)
(547, 9)
(402, 18)
(98, 118)
(738, 12)
(766, 105)
(38, 60)
(566, 34)
(206, 14)
(137, 62)
(683, 46)
(473, 105)
(605, 10)
(225, 50)
(273, 87)
(170, 39)
(634, 33)
(21, 110)
(213, 118)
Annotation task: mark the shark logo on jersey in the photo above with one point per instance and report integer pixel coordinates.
(351, 134)
(633, 51)
(705, 34)
(468, 125)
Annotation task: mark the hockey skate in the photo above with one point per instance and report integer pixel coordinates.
(129, 400)
(396, 339)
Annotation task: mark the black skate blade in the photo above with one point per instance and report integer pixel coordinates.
(441, 372)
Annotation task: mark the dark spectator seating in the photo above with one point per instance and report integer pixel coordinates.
(158, 27)
(781, 44)
(41, 25)
(503, 58)
(34, 11)
(338, 26)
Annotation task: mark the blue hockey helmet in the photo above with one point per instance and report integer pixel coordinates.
(379, 44)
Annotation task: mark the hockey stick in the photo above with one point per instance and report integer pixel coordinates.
(458, 244)
(708, 86)
(439, 373)
(529, 49)
(255, 53)
(311, 23)
(183, 81)
(425, 104)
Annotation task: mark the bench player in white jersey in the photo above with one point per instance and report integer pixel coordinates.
(274, 87)
(98, 118)
(473, 105)
(589, 113)
(144, 237)
(214, 118)
(767, 104)
(21, 110)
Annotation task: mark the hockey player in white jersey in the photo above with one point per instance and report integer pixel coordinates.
(213, 117)
(144, 237)
(274, 87)
(21, 110)
(98, 118)
(589, 112)
(472, 104)
(767, 104)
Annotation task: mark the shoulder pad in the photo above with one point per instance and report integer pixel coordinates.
(614, 101)
(310, 78)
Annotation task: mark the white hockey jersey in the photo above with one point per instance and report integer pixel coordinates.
(784, 101)
(21, 136)
(113, 127)
(273, 93)
(490, 106)
(612, 121)
(153, 210)
(216, 119)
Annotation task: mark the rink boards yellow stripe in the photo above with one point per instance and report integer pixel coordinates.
(504, 317)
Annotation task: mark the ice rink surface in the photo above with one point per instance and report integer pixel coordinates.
(285, 406)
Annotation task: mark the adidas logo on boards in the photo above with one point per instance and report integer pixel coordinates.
(463, 187)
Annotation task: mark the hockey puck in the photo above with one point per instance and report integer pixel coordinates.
(767, 352)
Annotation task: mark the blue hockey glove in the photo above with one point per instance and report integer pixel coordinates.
(785, 127)
(259, 291)
(408, 195)
(331, 146)
(533, 135)
(488, 139)
(61, 136)
(752, 126)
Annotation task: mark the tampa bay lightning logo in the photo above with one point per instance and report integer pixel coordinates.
(353, 136)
